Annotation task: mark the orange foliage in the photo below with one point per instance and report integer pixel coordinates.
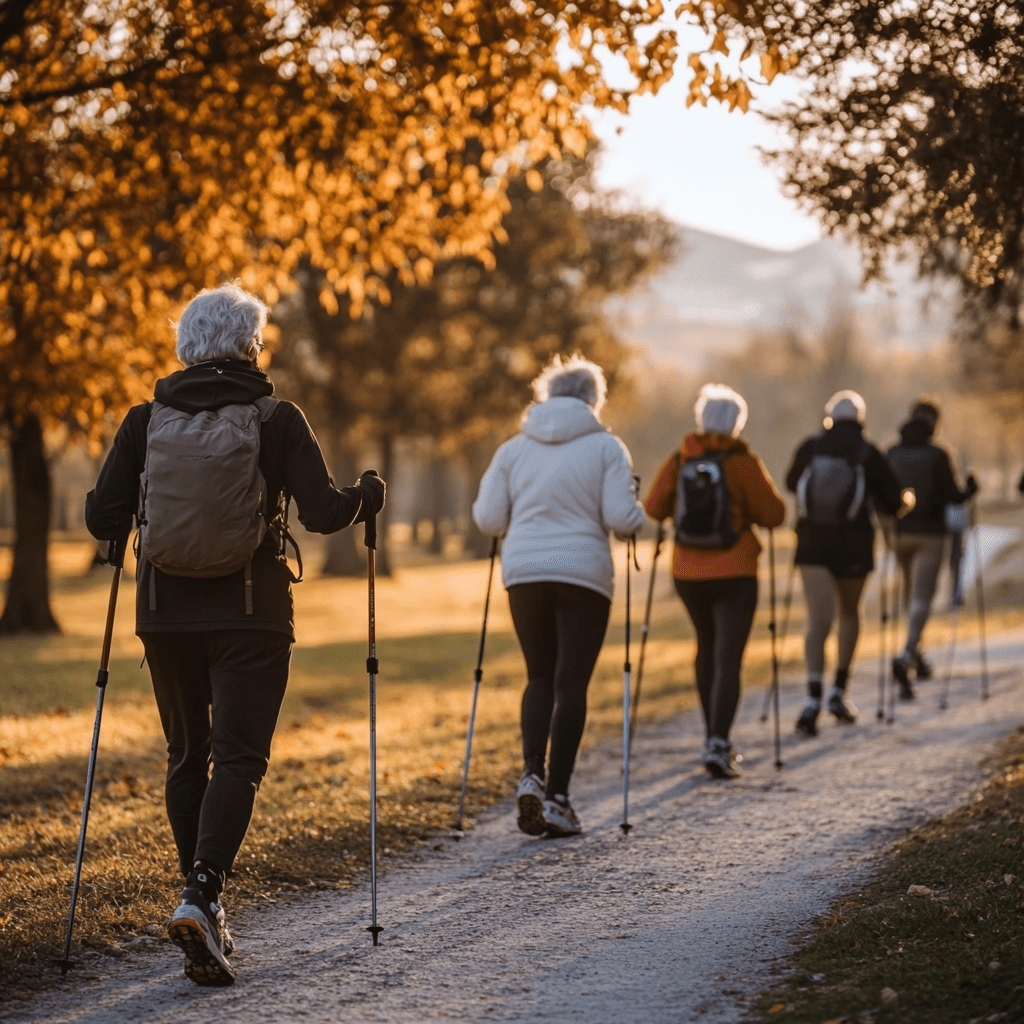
(150, 148)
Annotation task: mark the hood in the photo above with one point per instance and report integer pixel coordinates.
(915, 433)
(700, 444)
(559, 420)
(213, 385)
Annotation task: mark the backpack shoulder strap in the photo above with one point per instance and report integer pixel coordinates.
(267, 406)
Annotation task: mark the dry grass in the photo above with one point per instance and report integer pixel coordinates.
(311, 823)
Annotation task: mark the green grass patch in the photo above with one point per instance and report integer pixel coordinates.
(953, 954)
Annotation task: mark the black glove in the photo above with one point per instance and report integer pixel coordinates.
(372, 489)
(972, 485)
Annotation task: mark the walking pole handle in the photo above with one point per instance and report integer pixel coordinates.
(370, 536)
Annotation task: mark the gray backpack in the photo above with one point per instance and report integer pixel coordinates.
(832, 489)
(203, 500)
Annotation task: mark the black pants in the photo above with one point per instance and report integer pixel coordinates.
(219, 694)
(722, 612)
(561, 629)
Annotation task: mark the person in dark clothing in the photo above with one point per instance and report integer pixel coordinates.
(927, 469)
(219, 647)
(835, 549)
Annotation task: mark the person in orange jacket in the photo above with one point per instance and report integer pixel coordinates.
(716, 489)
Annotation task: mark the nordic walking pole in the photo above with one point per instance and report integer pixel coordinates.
(115, 556)
(897, 597)
(372, 666)
(979, 585)
(944, 695)
(787, 604)
(644, 630)
(478, 674)
(883, 627)
(775, 653)
(626, 671)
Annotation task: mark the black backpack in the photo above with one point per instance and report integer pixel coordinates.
(703, 517)
(917, 467)
(832, 489)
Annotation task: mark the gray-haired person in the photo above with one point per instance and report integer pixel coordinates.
(207, 469)
(839, 476)
(555, 491)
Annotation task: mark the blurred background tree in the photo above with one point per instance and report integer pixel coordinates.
(451, 360)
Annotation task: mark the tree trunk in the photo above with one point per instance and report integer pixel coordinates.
(440, 506)
(27, 609)
(345, 552)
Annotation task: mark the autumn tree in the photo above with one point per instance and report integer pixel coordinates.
(451, 359)
(154, 147)
(910, 137)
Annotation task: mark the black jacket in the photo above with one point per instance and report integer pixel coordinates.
(928, 469)
(849, 550)
(292, 465)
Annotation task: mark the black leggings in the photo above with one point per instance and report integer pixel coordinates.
(722, 612)
(561, 629)
(219, 694)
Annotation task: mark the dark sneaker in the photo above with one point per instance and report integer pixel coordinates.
(844, 710)
(530, 802)
(901, 673)
(560, 819)
(922, 667)
(807, 723)
(720, 759)
(199, 929)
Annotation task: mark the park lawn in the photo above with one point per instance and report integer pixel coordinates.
(310, 829)
(953, 956)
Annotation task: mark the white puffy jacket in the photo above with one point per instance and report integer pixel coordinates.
(555, 490)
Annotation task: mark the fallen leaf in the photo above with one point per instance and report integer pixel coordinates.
(1009, 879)
(776, 1007)
(889, 996)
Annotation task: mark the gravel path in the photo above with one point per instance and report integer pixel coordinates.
(683, 920)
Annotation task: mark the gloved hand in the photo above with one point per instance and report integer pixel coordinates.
(971, 485)
(372, 489)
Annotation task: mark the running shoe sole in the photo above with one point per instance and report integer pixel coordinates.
(204, 963)
(717, 770)
(845, 714)
(807, 726)
(531, 815)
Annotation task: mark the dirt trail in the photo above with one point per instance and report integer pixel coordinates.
(683, 920)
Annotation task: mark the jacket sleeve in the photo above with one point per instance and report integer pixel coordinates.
(492, 509)
(621, 510)
(110, 507)
(323, 508)
(948, 486)
(801, 459)
(882, 483)
(765, 506)
(661, 498)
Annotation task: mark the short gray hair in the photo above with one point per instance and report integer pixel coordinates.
(845, 405)
(221, 323)
(576, 377)
(720, 410)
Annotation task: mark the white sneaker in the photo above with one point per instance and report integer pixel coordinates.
(560, 819)
(530, 802)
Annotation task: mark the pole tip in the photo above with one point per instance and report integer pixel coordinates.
(375, 930)
(625, 826)
(65, 965)
(763, 719)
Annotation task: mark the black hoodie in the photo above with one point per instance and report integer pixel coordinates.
(292, 465)
(847, 551)
(921, 464)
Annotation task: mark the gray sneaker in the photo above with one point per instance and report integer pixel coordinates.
(530, 802)
(560, 819)
(720, 759)
(199, 929)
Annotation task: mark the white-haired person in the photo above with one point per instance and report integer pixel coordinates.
(206, 469)
(716, 489)
(555, 491)
(838, 477)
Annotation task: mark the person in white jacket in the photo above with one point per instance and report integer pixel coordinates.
(555, 491)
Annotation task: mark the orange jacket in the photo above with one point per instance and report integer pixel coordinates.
(753, 500)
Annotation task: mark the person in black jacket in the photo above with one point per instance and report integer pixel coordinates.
(835, 540)
(925, 467)
(219, 650)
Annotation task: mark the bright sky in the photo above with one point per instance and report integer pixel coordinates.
(699, 165)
